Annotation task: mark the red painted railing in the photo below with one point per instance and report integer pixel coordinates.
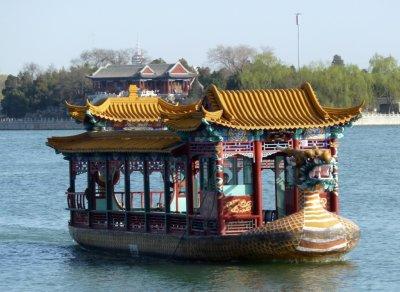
(98, 219)
(203, 226)
(238, 226)
(155, 221)
(136, 221)
(116, 220)
(314, 143)
(176, 223)
(79, 218)
(76, 200)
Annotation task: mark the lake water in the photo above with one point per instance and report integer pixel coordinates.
(37, 253)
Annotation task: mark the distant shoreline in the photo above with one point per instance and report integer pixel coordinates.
(39, 124)
(373, 119)
(367, 119)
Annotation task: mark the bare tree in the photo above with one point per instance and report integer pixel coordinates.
(233, 58)
(101, 57)
(96, 58)
(32, 70)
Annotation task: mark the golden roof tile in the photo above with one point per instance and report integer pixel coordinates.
(117, 141)
(269, 109)
(76, 112)
(132, 109)
(273, 109)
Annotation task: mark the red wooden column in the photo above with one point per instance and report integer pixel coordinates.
(189, 191)
(296, 145)
(219, 183)
(168, 87)
(91, 188)
(334, 195)
(257, 180)
(71, 189)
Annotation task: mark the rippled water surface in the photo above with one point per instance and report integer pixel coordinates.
(36, 252)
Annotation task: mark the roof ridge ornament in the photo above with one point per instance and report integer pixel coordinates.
(133, 91)
(214, 91)
(314, 100)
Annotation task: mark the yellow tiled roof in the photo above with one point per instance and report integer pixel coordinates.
(270, 109)
(76, 112)
(117, 141)
(130, 109)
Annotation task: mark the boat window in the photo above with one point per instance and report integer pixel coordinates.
(206, 174)
(178, 202)
(137, 191)
(156, 191)
(80, 189)
(119, 190)
(238, 176)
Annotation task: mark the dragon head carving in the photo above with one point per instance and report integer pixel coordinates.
(311, 169)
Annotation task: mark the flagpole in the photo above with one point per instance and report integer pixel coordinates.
(298, 41)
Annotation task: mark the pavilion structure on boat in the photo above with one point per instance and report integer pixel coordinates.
(219, 167)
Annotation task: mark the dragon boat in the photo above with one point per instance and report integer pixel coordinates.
(239, 175)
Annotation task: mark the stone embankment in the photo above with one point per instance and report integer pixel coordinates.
(371, 119)
(39, 124)
(368, 119)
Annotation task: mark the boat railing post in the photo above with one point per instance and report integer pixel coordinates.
(90, 191)
(296, 145)
(71, 189)
(108, 192)
(219, 179)
(189, 192)
(258, 182)
(334, 195)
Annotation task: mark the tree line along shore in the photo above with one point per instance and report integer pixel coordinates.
(41, 93)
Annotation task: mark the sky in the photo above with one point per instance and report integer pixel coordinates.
(51, 32)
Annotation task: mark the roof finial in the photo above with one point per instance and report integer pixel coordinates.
(137, 58)
(133, 91)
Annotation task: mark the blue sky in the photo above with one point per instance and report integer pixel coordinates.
(54, 32)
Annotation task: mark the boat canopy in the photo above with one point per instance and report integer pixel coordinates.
(117, 141)
(267, 109)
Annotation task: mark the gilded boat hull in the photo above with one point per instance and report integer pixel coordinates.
(288, 238)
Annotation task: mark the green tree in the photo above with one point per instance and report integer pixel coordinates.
(3, 79)
(337, 61)
(186, 65)
(15, 103)
(386, 80)
(267, 71)
(218, 78)
(158, 61)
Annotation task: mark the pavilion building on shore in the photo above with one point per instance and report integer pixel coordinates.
(150, 79)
